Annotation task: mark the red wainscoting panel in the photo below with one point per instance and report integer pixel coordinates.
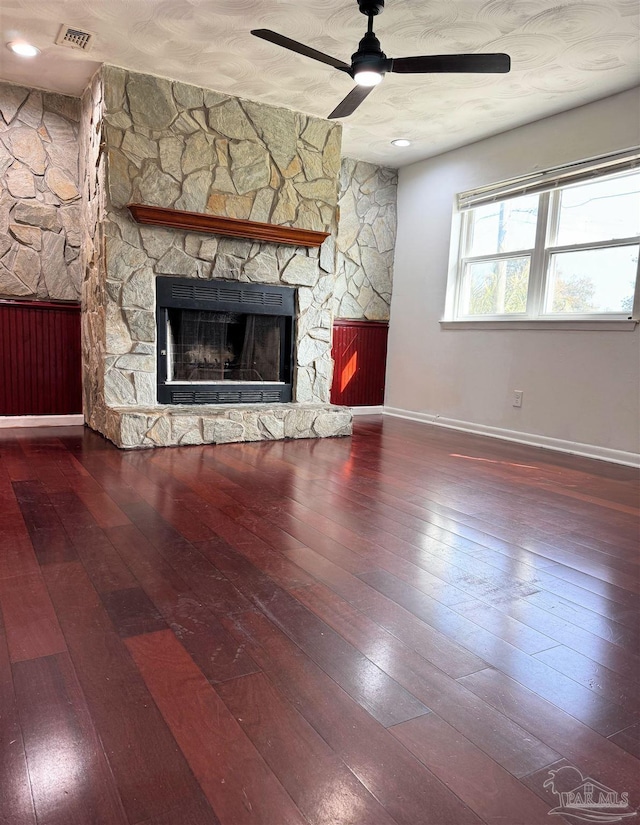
(360, 356)
(40, 371)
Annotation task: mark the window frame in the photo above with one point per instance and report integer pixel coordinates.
(540, 255)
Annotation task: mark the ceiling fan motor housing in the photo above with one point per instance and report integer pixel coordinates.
(369, 55)
(371, 7)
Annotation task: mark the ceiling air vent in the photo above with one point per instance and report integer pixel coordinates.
(74, 38)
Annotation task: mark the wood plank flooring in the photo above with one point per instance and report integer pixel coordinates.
(410, 626)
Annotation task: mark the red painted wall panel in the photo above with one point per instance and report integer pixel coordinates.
(360, 358)
(40, 366)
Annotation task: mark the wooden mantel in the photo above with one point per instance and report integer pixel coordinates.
(233, 227)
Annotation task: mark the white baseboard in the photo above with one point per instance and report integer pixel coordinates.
(367, 410)
(7, 421)
(531, 439)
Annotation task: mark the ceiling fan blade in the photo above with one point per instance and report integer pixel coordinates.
(351, 101)
(489, 63)
(300, 48)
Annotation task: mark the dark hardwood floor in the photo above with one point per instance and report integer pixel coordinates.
(409, 626)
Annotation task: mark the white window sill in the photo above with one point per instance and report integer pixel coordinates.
(582, 325)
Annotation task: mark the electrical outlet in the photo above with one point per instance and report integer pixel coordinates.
(517, 398)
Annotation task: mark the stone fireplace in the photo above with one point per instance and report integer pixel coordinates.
(164, 144)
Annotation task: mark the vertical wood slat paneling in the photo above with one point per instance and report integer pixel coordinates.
(360, 357)
(40, 367)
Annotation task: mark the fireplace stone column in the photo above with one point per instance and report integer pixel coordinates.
(161, 143)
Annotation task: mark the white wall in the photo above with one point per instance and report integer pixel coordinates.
(580, 387)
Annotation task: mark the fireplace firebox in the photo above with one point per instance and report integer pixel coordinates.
(224, 342)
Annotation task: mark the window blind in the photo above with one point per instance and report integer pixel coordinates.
(536, 182)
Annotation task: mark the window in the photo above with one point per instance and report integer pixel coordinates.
(553, 248)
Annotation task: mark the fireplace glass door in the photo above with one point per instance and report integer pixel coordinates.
(224, 342)
(209, 346)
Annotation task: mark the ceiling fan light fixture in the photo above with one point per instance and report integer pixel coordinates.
(401, 142)
(22, 48)
(367, 77)
(369, 63)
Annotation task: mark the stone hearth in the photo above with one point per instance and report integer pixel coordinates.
(221, 424)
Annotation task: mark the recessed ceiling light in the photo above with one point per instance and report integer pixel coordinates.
(22, 48)
(401, 142)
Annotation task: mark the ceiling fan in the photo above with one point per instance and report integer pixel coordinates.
(370, 64)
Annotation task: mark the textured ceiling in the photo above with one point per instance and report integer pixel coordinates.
(563, 54)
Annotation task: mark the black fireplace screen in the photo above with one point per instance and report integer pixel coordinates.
(225, 346)
(224, 342)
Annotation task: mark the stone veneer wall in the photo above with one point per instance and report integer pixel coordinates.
(39, 197)
(94, 294)
(365, 241)
(169, 144)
